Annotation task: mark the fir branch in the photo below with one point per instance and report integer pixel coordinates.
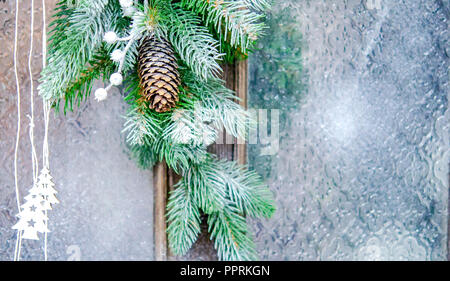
(227, 192)
(137, 29)
(232, 53)
(260, 5)
(218, 106)
(206, 189)
(225, 113)
(183, 219)
(232, 239)
(75, 45)
(99, 66)
(245, 189)
(140, 121)
(140, 127)
(188, 128)
(180, 157)
(74, 39)
(146, 127)
(235, 21)
(144, 155)
(130, 61)
(194, 44)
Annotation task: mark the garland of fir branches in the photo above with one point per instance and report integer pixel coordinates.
(203, 34)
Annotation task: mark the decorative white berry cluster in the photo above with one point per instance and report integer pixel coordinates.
(118, 55)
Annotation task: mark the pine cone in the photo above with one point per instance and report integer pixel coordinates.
(158, 74)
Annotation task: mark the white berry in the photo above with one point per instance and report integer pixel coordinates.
(126, 3)
(101, 94)
(110, 37)
(117, 55)
(116, 79)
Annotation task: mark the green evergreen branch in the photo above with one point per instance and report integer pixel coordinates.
(76, 36)
(245, 189)
(99, 66)
(140, 126)
(235, 21)
(144, 155)
(218, 106)
(187, 128)
(183, 219)
(147, 130)
(214, 109)
(76, 46)
(232, 239)
(180, 157)
(194, 44)
(260, 5)
(232, 53)
(227, 192)
(206, 191)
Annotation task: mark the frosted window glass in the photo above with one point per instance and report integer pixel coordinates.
(362, 167)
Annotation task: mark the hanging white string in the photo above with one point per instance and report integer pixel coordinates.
(46, 107)
(16, 179)
(34, 160)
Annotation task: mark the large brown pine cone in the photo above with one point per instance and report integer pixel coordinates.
(158, 73)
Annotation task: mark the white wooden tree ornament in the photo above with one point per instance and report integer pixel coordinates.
(33, 213)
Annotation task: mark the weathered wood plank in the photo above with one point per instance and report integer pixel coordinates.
(160, 186)
(241, 89)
